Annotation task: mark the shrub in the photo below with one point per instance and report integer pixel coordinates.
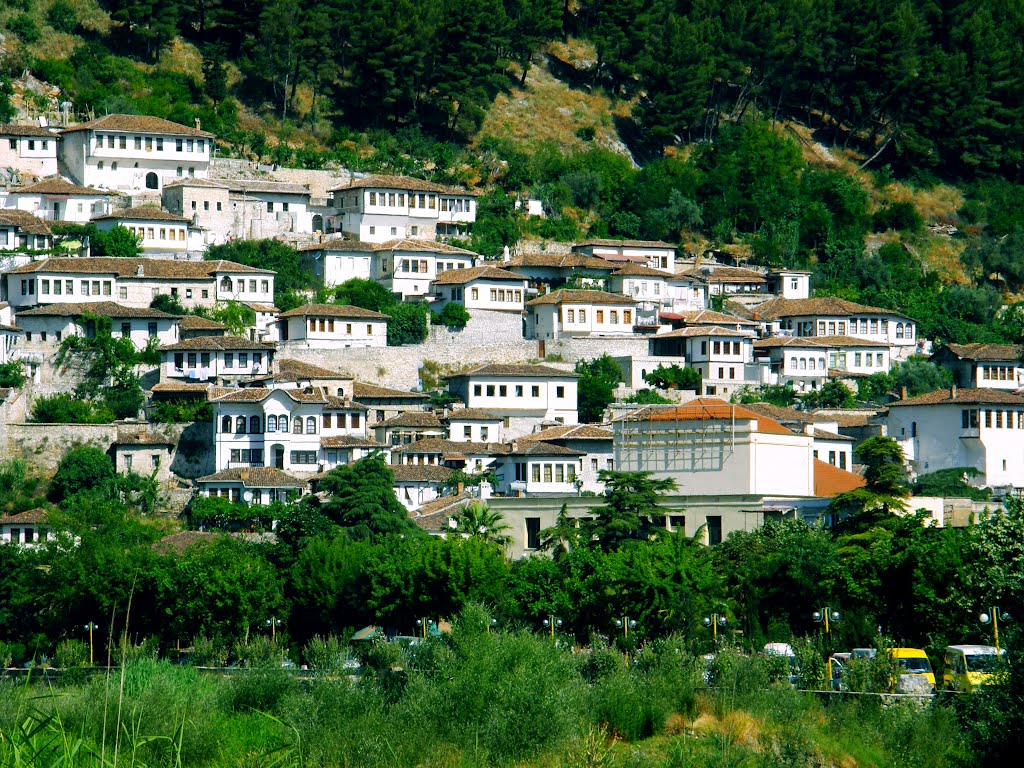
(453, 316)
(12, 374)
(179, 411)
(118, 242)
(261, 690)
(64, 408)
(61, 16)
(899, 216)
(82, 468)
(25, 27)
(71, 653)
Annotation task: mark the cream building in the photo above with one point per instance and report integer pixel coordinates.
(652, 253)
(332, 326)
(29, 149)
(51, 323)
(567, 312)
(485, 287)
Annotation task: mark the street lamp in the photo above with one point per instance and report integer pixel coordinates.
(491, 624)
(90, 627)
(625, 624)
(551, 623)
(425, 624)
(993, 617)
(273, 624)
(714, 621)
(826, 615)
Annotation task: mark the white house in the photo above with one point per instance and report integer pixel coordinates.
(721, 279)
(536, 468)
(986, 366)
(484, 287)
(56, 199)
(133, 282)
(51, 323)
(724, 357)
(157, 230)
(419, 484)
(258, 486)
(474, 425)
(29, 149)
(284, 428)
(545, 272)
(332, 326)
(789, 283)
(216, 358)
(594, 443)
(582, 313)
(21, 231)
(432, 451)
(831, 316)
(523, 395)
(653, 253)
(134, 152)
(807, 361)
(408, 427)
(711, 447)
(27, 529)
(949, 428)
(377, 209)
(640, 282)
(338, 450)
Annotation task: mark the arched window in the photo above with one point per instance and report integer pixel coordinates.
(225, 284)
(812, 364)
(254, 425)
(341, 391)
(152, 182)
(297, 425)
(225, 424)
(899, 330)
(792, 363)
(803, 363)
(240, 425)
(909, 333)
(311, 425)
(271, 423)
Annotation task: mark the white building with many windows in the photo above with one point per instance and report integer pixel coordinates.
(568, 312)
(985, 366)
(332, 326)
(652, 253)
(486, 287)
(723, 356)
(378, 209)
(134, 282)
(51, 323)
(156, 230)
(223, 359)
(523, 395)
(29, 149)
(23, 231)
(131, 153)
(56, 199)
(807, 361)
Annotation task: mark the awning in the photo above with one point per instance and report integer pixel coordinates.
(367, 633)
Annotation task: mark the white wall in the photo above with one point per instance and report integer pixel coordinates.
(115, 168)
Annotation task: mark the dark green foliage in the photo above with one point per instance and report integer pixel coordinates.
(901, 216)
(62, 16)
(179, 411)
(674, 377)
(950, 483)
(218, 513)
(596, 386)
(65, 408)
(362, 500)
(647, 397)
(452, 316)
(782, 395)
(630, 510)
(408, 324)
(82, 469)
(831, 394)
(165, 302)
(118, 242)
(12, 374)
(7, 109)
(25, 27)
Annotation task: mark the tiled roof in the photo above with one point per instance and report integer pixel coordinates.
(518, 371)
(413, 244)
(137, 124)
(364, 391)
(268, 309)
(783, 415)
(450, 447)
(349, 441)
(189, 388)
(341, 244)
(99, 308)
(720, 274)
(218, 343)
(290, 369)
(255, 477)
(434, 515)
(24, 221)
(55, 185)
(159, 269)
(541, 448)
(142, 438)
(818, 342)
(965, 396)
(708, 317)
(197, 323)
(35, 516)
(569, 296)
(697, 331)
(847, 420)
(830, 481)
(334, 310)
(560, 261)
(143, 213)
(405, 183)
(264, 186)
(708, 409)
(831, 306)
(639, 270)
(625, 244)
(570, 432)
(463, 276)
(412, 419)
(196, 182)
(997, 353)
(421, 473)
(11, 129)
(821, 434)
(471, 414)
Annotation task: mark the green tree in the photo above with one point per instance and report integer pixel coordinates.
(236, 316)
(81, 469)
(215, 79)
(7, 109)
(632, 509)
(362, 501)
(831, 394)
(62, 17)
(563, 536)
(596, 386)
(886, 486)
(453, 316)
(674, 377)
(118, 242)
(292, 278)
(478, 519)
(12, 374)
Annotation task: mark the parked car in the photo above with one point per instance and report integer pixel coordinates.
(969, 668)
(914, 671)
(784, 651)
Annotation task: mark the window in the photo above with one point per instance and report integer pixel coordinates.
(714, 523)
(310, 425)
(583, 315)
(297, 425)
(254, 425)
(240, 425)
(519, 390)
(600, 315)
(547, 473)
(467, 432)
(477, 390)
(627, 315)
(559, 392)
(532, 532)
(304, 457)
(243, 359)
(614, 316)
(355, 420)
(229, 360)
(535, 391)
(483, 433)
(272, 423)
(44, 286)
(502, 391)
(490, 390)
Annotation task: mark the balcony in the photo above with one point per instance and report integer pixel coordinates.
(970, 433)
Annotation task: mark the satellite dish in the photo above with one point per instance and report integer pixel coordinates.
(247, 496)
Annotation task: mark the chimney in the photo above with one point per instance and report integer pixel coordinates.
(199, 125)
(952, 392)
(757, 315)
(903, 393)
(461, 487)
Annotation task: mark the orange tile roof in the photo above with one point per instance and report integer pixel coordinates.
(709, 409)
(830, 481)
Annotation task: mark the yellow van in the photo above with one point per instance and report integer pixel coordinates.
(969, 667)
(914, 671)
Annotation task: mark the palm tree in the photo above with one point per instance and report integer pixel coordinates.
(479, 520)
(563, 536)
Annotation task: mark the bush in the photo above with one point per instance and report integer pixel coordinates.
(62, 17)
(118, 242)
(179, 411)
(12, 374)
(25, 27)
(64, 408)
(899, 216)
(71, 653)
(83, 468)
(452, 316)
